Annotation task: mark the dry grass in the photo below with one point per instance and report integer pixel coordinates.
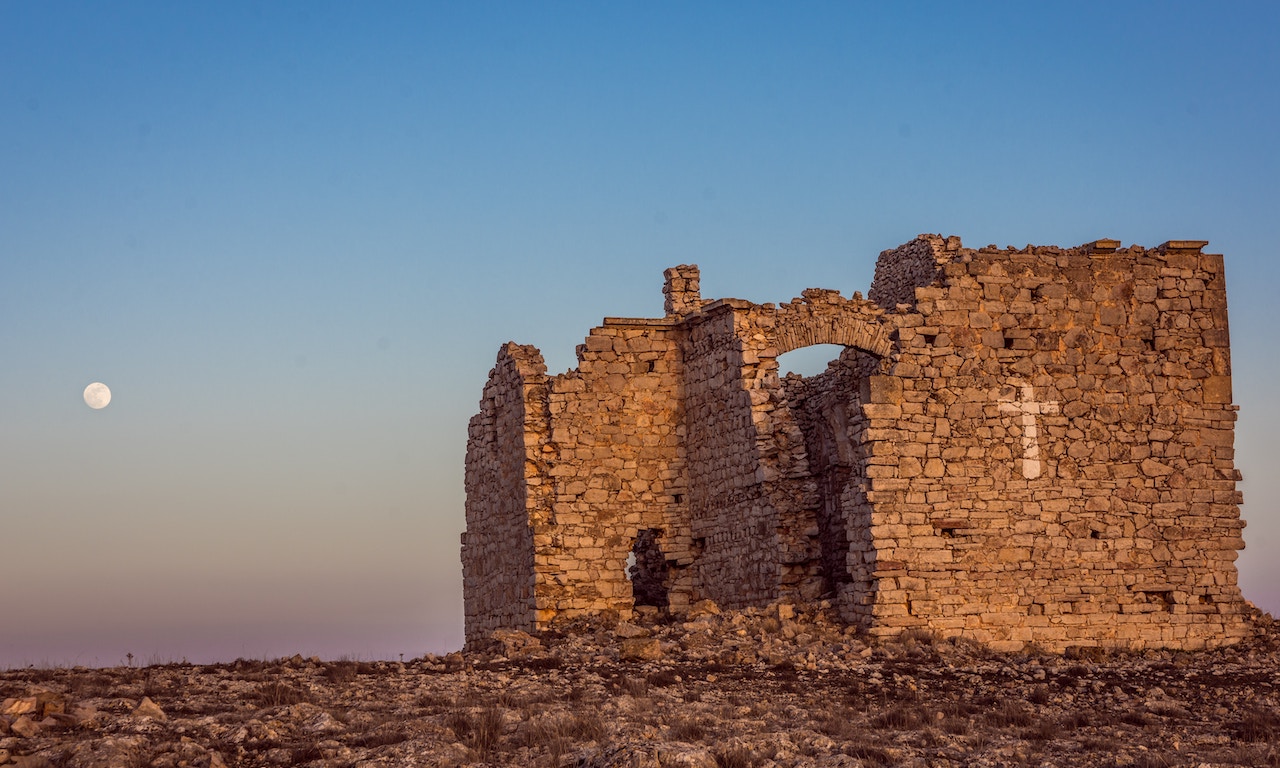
(278, 695)
(868, 754)
(557, 734)
(1010, 714)
(1259, 725)
(902, 717)
(340, 672)
(480, 731)
(734, 757)
(1251, 755)
(380, 738)
(1154, 760)
(688, 729)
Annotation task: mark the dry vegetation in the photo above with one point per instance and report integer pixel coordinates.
(741, 690)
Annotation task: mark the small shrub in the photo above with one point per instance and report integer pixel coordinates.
(379, 739)
(278, 695)
(734, 757)
(1153, 760)
(957, 726)
(1134, 717)
(305, 754)
(481, 732)
(1010, 714)
(1259, 725)
(433, 701)
(868, 754)
(340, 672)
(899, 718)
(557, 734)
(1100, 744)
(538, 663)
(635, 686)
(688, 729)
(1252, 756)
(1045, 729)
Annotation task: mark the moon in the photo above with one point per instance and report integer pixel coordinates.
(97, 396)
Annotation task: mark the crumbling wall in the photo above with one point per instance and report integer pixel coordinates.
(1058, 465)
(899, 271)
(503, 462)
(733, 522)
(616, 470)
(1017, 445)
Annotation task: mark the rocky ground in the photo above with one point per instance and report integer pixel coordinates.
(715, 690)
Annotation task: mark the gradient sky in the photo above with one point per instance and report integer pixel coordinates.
(291, 237)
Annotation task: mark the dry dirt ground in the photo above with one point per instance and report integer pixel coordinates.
(716, 690)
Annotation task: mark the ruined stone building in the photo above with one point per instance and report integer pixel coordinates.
(1017, 445)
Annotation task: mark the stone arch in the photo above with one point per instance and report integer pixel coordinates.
(825, 317)
(824, 412)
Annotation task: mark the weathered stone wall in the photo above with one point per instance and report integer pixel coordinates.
(1017, 445)
(733, 523)
(504, 474)
(1058, 467)
(913, 265)
(617, 470)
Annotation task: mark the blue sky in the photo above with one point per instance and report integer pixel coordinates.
(291, 237)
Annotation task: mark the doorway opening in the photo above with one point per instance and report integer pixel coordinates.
(648, 571)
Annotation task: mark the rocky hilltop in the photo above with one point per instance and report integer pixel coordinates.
(762, 687)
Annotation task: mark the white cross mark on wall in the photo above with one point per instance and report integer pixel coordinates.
(1028, 408)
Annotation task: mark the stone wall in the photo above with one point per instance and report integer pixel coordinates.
(1017, 445)
(504, 474)
(1058, 467)
(616, 470)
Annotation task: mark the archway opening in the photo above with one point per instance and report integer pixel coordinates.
(825, 400)
(808, 361)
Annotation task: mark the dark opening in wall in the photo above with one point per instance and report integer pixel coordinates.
(647, 569)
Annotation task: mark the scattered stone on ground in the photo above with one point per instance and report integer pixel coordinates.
(783, 686)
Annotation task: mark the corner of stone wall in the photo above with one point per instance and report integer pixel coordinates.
(917, 264)
(506, 495)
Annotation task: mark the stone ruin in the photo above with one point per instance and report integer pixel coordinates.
(1015, 446)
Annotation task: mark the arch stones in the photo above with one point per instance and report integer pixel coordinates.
(1016, 445)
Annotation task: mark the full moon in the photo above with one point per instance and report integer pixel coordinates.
(97, 396)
